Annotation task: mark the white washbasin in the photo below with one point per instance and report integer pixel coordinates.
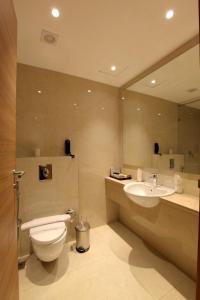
(145, 194)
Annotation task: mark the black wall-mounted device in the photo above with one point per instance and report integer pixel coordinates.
(156, 148)
(68, 148)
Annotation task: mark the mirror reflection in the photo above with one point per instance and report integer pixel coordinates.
(163, 108)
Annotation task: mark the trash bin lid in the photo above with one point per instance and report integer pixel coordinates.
(82, 226)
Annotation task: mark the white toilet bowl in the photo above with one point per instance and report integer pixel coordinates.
(48, 240)
(48, 236)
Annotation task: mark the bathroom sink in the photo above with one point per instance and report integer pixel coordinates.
(145, 194)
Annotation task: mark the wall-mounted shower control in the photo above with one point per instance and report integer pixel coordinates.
(45, 172)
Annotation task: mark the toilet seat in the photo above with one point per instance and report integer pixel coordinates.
(48, 234)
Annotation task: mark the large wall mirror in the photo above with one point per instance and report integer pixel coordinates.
(164, 108)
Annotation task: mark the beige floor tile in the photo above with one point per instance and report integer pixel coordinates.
(154, 273)
(100, 281)
(97, 281)
(117, 266)
(186, 290)
(37, 274)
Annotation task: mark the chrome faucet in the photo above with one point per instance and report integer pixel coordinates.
(154, 176)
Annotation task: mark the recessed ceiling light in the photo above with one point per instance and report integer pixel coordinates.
(55, 12)
(153, 81)
(169, 14)
(113, 68)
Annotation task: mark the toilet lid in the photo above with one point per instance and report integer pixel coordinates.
(47, 234)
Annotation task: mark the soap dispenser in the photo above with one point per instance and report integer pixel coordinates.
(139, 175)
(178, 184)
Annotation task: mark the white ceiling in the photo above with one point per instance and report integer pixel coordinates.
(178, 81)
(93, 35)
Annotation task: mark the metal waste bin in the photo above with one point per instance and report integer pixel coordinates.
(82, 236)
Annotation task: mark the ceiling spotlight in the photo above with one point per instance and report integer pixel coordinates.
(55, 12)
(153, 81)
(169, 14)
(113, 68)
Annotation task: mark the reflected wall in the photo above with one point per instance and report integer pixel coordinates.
(147, 120)
(189, 137)
(176, 128)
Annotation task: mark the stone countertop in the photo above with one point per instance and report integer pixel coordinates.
(186, 201)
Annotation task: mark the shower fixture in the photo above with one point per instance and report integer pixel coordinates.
(17, 177)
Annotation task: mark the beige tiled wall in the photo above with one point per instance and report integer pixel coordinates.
(64, 110)
(188, 137)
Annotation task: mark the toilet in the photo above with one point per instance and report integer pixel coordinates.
(47, 236)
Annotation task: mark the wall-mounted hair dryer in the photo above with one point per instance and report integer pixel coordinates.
(68, 148)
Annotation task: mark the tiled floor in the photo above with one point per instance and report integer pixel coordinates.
(118, 266)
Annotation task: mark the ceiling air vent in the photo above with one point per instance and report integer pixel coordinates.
(49, 37)
(192, 90)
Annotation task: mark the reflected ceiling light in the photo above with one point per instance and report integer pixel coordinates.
(89, 91)
(138, 109)
(113, 68)
(153, 81)
(169, 14)
(123, 98)
(55, 12)
(39, 91)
